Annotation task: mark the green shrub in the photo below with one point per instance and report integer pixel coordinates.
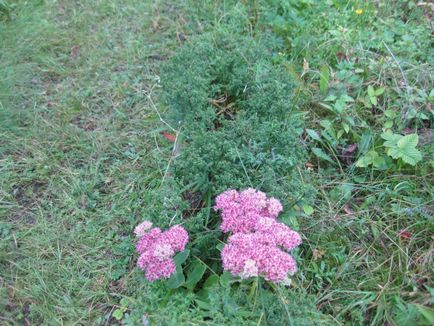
(237, 116)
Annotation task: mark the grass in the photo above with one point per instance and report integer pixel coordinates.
(81, 153)
(78, 154)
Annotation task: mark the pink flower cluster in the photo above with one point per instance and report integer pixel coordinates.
(157, 248)
(241, 210)
(259, 244)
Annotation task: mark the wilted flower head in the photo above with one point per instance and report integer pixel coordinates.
(157, 248)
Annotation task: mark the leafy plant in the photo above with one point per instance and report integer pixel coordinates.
(372, 97)
(402, 147)
(118, 314)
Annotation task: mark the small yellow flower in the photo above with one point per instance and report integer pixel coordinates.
(359, 11)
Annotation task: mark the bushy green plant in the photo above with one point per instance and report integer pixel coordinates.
(237, 116)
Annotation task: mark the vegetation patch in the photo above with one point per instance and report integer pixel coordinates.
(114, 112)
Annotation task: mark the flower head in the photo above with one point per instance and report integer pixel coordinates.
(359, 11)
(142, 228)
(259, 245)
(253, 254)
(157, 248)
(241, 210)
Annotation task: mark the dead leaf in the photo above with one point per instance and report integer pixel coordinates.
(74, 51)
(348, 154)
(318, 254)
(170, 137)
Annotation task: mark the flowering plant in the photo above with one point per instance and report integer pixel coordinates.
(259, 244)
(157, 248)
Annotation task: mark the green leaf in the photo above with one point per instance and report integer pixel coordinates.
(408, 141)
(195, 275)
(313, 134)
(330, 98)
(365, 141)
(181, 257)
(391, 139)
(390, 113)
(406, 149)
(373, 100)
(340, 105)
(225, 279)
(322, 155)
(346, 98)
(346, 127)
(203, 305)
(307, 209)
(371, 158)
(326, 124)
(371, 91)
(211, 281)
(324, 79)
(118, 314)
(220, 246)
(379, 91)
(427, 313)
(388, 124)
(177, 279)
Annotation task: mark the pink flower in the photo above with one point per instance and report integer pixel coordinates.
(157, 248)
(241, 210)
(142, 228)
(260, 244)
(252, 254)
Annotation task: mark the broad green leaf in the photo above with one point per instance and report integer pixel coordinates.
(177, 279)
(195, 275)
(211, 281)
(411, 113)
(371, 158)
(371, 91)
(390, 113)
(379, 91)
(373, 100)
(307, 209)
(390, 138)
(313, 134)
(322, 155)
(203, 295)
(181, 257)
(406, 149)
(118, 314)
(339, 106)
(408, 141)
(225, 279)
(388, 124)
